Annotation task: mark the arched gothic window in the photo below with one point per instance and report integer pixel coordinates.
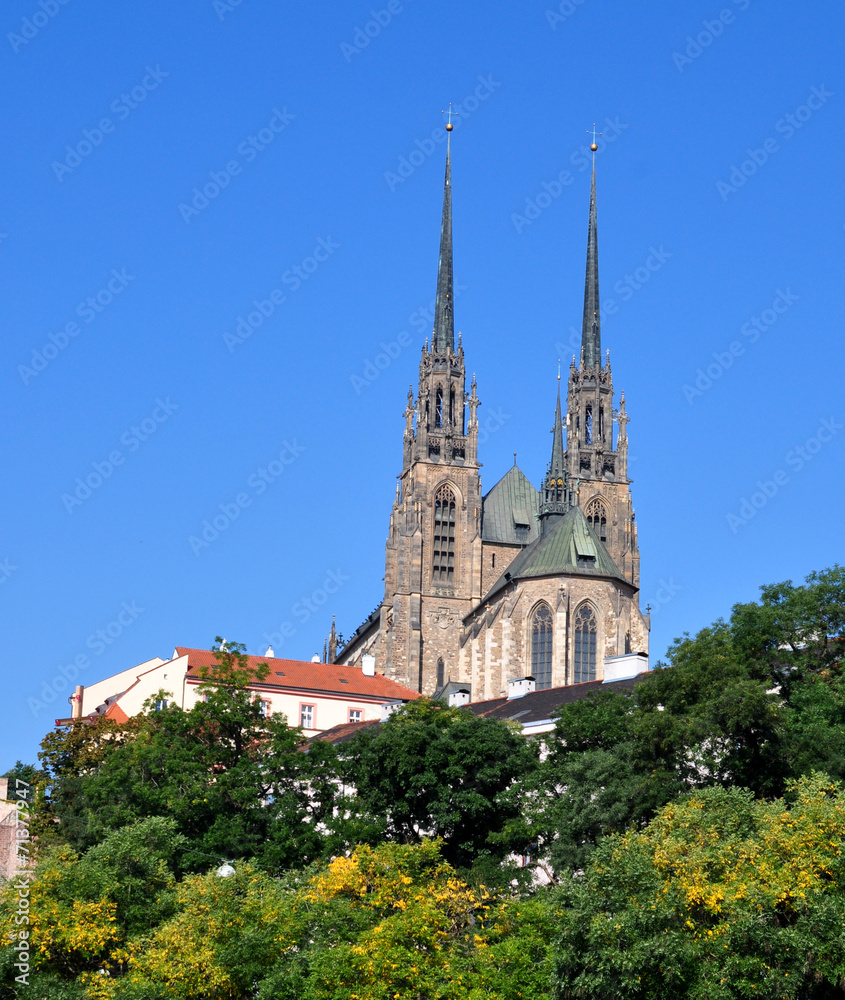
(438, 408)
(596, 514)
(443, 565)
(541, 647)
(586, 628)
(441, 672)
(588, 425)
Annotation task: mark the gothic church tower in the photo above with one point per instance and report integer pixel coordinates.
(433, 554)
(481, 590)
(597, 466)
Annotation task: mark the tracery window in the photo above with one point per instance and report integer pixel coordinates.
(596, 514)
(586, 628)
(541, 647)
(443, 563)
(438, 408)
(588, 426)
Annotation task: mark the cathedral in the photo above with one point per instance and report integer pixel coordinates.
(482, 589)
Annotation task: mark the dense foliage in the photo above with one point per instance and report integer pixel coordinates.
(684, 840)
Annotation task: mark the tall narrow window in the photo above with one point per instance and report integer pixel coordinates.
(438, 408)
(586, 628)
(596, 514)
(601, 423)
(541, 647)
(443, 554)
(451, 407)
(441, 672)
(588, 426)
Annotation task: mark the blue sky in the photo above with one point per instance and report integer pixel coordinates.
(244, 142)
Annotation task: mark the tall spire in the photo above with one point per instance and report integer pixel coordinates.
(555, 494)
(591, 327)
(443, 338)
(557, 466)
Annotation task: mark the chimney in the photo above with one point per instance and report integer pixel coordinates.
(520, 687)
(459, 698)
(270, 653)
(316, 658)
(368, 665)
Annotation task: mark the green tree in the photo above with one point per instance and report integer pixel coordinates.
(435, 771)
(234, 781)
(720, 897)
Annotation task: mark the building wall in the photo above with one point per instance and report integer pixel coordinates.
(422, 616)
(329, 709)
(497, 641)
(95, 694)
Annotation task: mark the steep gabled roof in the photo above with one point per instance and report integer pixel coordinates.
(328, 678)
(509, 511)
(570, 547)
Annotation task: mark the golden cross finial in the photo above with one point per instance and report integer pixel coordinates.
(558, 369)
(450, 113)
(594, 145)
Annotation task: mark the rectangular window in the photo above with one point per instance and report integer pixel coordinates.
(355, 714)
(161, 705)
(306, 716)
(264, 706)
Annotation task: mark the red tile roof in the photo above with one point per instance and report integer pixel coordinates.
(331, 678)
(342, 733)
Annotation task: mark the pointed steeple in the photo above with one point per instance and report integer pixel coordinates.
(443, 337)
(555, 494)
(591, 326)
(557, 466)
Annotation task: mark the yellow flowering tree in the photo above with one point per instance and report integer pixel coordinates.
(721, 896)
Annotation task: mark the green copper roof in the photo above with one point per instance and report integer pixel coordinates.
(569, 547)
(509, 511)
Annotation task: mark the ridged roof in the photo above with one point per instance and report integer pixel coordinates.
(512, 503)
(328, 678)
(569, 547)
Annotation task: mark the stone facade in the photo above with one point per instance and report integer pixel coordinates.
(452, 610)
